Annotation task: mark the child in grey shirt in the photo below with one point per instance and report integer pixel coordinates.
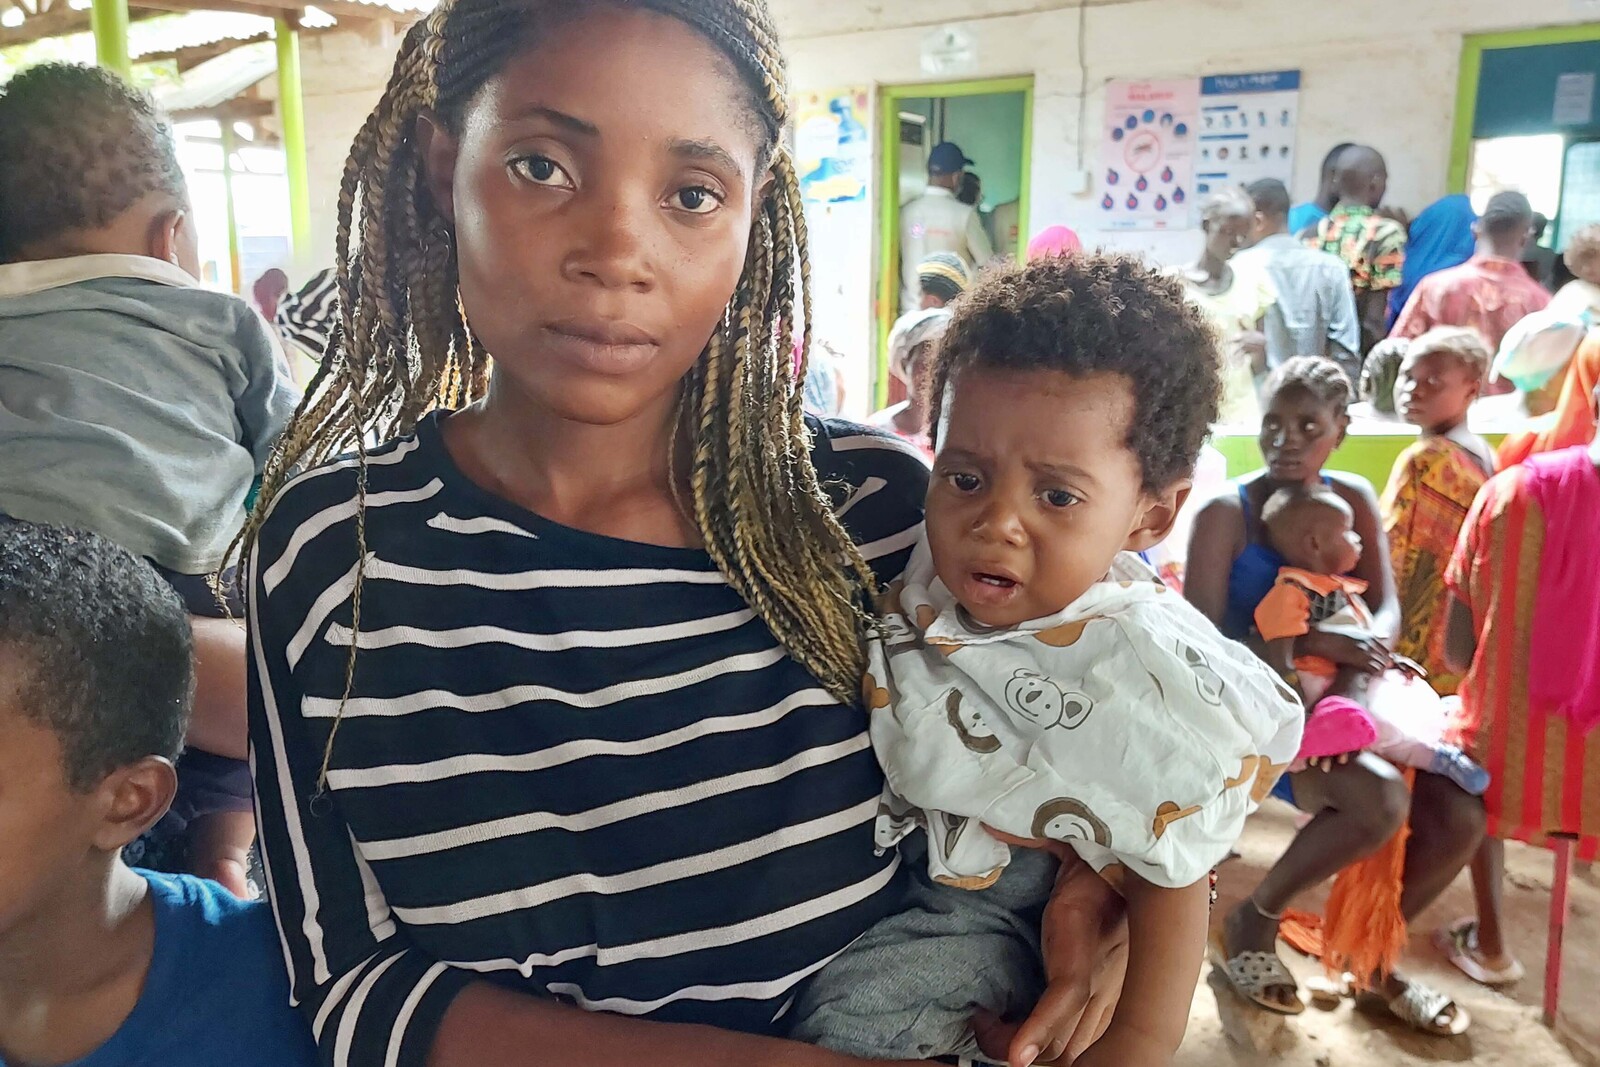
(133, 403)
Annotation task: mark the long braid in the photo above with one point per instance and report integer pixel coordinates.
(402, 345)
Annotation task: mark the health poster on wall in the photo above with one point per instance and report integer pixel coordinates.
(1147, 154)
(1247, 131)
(832, 150)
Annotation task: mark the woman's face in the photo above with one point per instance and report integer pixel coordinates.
(1227, 232)
(601, 191)
(1299, 431)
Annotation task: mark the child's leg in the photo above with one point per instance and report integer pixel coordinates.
(219, 849)
(1488, 885)
(907, 989)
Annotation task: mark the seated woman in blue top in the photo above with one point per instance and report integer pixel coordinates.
(1359, 801)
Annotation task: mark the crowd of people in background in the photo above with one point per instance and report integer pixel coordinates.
(626, 525)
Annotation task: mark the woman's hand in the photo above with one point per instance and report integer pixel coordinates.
(1084, 934)
(1367, 654)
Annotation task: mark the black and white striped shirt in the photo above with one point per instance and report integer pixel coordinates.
(570, 763)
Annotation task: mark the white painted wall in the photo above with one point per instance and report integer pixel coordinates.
(342, 74)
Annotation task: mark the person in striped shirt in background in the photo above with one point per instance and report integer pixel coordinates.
(554, 695)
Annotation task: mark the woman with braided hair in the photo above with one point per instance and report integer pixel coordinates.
(554, 690)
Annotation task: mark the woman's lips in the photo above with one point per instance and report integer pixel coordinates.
(603, 346)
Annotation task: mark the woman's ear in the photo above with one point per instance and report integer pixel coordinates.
(1158, 515)
(438, 149)
(1343, 421)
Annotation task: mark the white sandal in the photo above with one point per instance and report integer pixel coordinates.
(1251, 974)
(1424, 1009)
(1459, 943)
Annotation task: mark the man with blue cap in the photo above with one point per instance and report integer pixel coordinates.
(937, 222)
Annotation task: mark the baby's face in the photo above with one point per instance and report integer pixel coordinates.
(1034, 489)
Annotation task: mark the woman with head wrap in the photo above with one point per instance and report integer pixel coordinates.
(911, 347)
(1054, 241)
(942, 277)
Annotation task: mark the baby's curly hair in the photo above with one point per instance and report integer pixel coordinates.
(78, 147)
(1097, 312)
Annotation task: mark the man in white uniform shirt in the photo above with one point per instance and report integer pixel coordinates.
(937, 222)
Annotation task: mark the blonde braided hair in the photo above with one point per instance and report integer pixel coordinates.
(402, 345)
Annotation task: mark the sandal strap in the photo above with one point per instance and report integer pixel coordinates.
(1252, 973)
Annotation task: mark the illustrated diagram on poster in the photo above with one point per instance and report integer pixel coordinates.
(1248, 128)
(833, 153)
(1147, 154)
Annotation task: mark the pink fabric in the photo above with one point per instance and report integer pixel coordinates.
(1337, 725)
(1054, 241)
(1564, 667)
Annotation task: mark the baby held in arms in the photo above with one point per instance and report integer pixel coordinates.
(1033, 676)
(1395, 714)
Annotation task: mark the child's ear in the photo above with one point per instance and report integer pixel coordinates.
(166, 237)
(133, 799)
(438, 150)
(1158, 515)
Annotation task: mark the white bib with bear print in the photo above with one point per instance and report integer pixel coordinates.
(1124, 724)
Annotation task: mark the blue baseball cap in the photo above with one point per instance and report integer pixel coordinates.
(947, 158)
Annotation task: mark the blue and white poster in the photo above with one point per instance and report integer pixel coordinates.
(1247, 128)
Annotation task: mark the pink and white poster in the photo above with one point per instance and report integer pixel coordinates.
(1147, 154)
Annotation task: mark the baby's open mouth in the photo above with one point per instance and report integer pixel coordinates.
(999, 581)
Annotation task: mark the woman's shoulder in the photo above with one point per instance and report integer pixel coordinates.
(317, 503)
(877, 483)
(1353, 487)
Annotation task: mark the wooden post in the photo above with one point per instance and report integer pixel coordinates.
(234, 268)
(1563, 846)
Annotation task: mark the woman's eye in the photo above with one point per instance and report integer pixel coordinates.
(1308, 427)
(1059, 498)
(541, 171)
(964, 483)
(697, 200)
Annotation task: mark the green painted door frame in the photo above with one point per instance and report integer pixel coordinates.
(1472, 48)
(889, 97)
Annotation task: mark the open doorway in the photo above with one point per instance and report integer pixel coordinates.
(992, 121)
(1528, 118)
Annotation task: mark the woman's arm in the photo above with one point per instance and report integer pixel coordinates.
(1215, 541)
(218, 723)
(1167, 936)
(487, 1026)
(1373, 568)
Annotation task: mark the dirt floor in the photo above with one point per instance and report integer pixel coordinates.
(1506, 1027)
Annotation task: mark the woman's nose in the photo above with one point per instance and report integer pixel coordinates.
(612, 249)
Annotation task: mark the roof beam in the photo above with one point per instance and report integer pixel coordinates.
(57, 22)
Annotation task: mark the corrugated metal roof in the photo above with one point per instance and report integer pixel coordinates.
(216, 81)
(193, 29)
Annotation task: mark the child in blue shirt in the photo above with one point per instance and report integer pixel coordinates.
(102, 964)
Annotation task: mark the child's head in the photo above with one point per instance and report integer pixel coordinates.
(1304, 417)
(1583, 253)
(596, 194)
(942, 277)
(1312, 528)
(1441, 376)
(1380, 374)
(95, 687)
(87, 165)
(1506, 224)
(1071, 399)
